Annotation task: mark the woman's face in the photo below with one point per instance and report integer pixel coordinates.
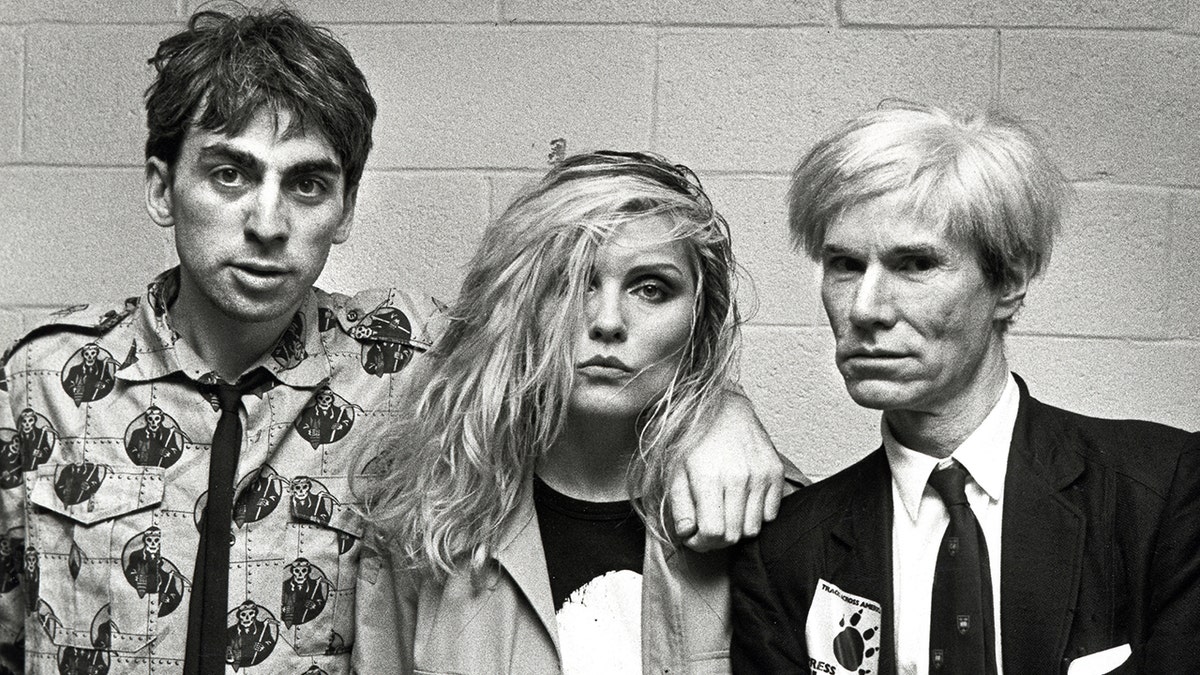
(637, 320)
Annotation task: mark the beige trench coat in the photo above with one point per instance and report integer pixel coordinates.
(507, 624)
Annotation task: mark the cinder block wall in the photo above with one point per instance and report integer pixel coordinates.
(471, 93)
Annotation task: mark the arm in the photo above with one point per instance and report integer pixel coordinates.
(728, 484)
(763, 641)
(1174, 611)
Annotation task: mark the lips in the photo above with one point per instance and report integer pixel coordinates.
(258, 268)
(604, 366)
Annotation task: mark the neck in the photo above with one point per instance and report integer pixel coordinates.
(939, 432)
(227, 345)
(590, 460)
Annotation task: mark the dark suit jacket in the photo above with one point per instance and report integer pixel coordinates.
(1100, 547)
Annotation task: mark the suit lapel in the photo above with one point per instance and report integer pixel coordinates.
(1042, 539)
(860, 556)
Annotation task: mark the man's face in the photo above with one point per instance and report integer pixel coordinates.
(910, 310)
(254, 215)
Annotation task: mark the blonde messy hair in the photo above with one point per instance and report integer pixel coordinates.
(492, 397)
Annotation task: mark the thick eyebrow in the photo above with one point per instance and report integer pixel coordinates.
(315, 166)
(227, 153)
(222, 152)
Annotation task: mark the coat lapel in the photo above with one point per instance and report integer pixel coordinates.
(1042, 539)
(522, 557)
(860, 555)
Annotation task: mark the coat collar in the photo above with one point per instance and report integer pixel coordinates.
(297, 359)
(1043, 541)
(521, 555)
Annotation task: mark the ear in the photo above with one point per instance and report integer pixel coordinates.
(1011, 294)
(342, 233)
(159, 199)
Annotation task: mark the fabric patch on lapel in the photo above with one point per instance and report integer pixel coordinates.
(842, 632)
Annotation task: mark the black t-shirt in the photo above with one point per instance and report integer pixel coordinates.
(585, 540)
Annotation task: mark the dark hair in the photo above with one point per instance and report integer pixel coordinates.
(223, 69)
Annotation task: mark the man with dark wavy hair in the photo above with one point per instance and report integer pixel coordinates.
(259, 128)
(259, 125)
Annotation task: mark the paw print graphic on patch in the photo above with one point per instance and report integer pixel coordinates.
(855, 643)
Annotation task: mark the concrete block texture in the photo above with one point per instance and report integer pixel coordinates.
(1183, 305)
(496, 97)
(400, 11)
(1107, 276)
(89, 11)
(85, 85)
(77, 235)
(779, 285)
(1119, 106)
(747, 12)
(1084, 13)
(414, 232)
(758, 99)
(1119, 379)
(798, 393)
(12, 80)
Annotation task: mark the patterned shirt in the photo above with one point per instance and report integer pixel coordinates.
(105, 428)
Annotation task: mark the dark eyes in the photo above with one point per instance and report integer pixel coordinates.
(651, 291)
(228, 177)
(310, 187)
(844, 264)
(917, 264)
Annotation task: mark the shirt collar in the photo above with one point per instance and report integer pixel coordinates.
(298, 358)
(984, 454)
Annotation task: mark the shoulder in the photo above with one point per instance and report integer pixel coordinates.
(811, 512)
(70, 327)
(383, 315)
(1137, 451)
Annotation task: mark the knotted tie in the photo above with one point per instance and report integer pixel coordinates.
(205, 652)
(961, 635)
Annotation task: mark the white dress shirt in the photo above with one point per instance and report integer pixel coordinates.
(919, 519)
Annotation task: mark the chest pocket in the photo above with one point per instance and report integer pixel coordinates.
(316, 595)
(95, 576)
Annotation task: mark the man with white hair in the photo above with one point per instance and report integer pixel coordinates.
(991, 532)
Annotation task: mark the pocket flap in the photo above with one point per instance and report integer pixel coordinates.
(327, 513)
(90, 493)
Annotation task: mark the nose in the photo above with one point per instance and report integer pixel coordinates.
(268, 219)
(606, 316)
(873, 306)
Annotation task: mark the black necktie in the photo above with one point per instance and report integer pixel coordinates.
(205, 651)
(961, 635)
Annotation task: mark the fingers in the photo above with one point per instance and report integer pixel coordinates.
(754, 509)
(711, 522)
(682, 509)
(772, 498)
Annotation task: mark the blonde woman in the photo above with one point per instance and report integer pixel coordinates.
(524, 514)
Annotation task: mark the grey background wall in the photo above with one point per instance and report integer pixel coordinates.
(471, 93)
